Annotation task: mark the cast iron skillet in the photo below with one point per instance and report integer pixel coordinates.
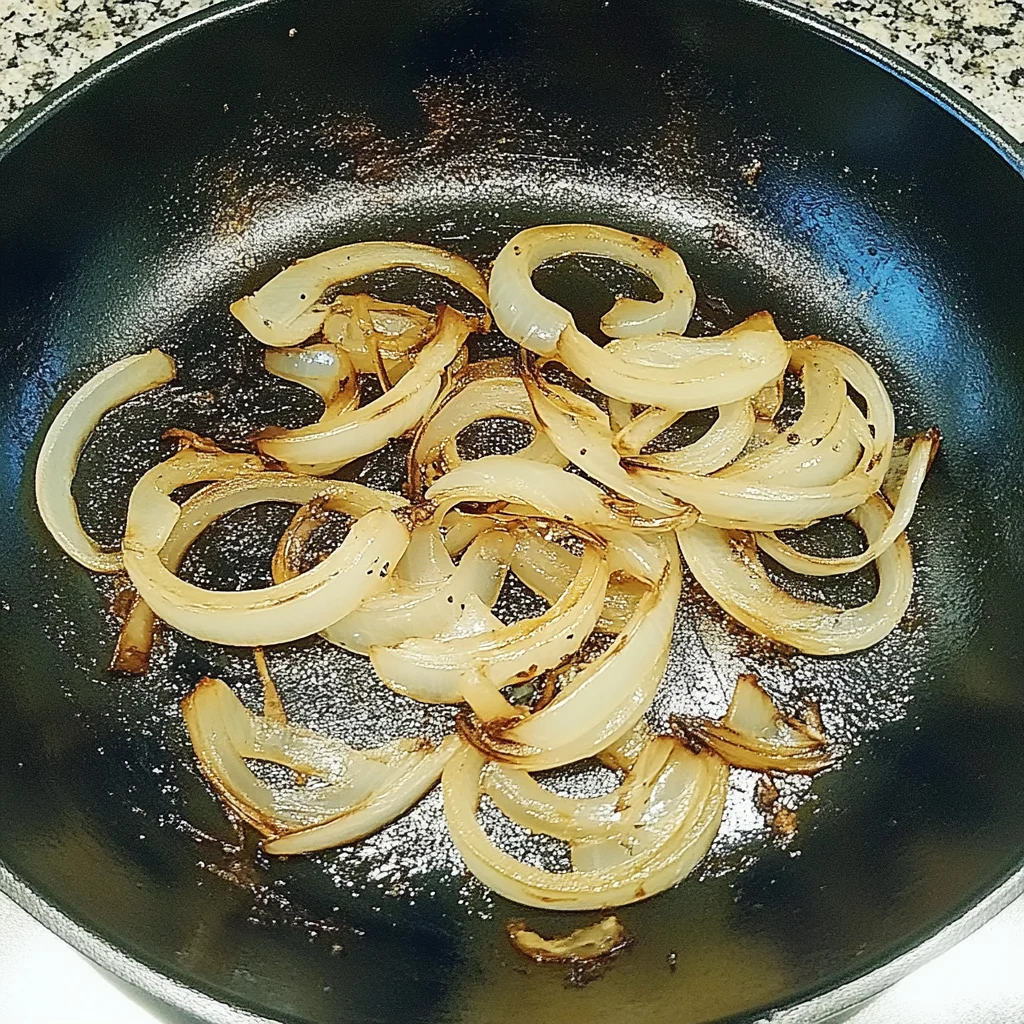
(183, 171)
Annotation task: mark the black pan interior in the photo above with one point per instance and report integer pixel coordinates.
(793, 175)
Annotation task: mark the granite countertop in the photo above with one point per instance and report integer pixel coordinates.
(976, 46)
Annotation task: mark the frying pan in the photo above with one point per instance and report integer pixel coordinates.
(796, 169)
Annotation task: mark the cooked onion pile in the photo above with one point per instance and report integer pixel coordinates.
(585, 516)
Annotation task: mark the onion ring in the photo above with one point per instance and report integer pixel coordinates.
(537, 323)
(727, 567)
(356, 570)
(669, 846)
(64, 441)
(337, 440)
(285, 311)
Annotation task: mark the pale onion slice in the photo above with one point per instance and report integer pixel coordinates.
(537, 323)
(337, 440)
(756, 735)
(408, 782)
(675, 372)
(678, 835)
(602, 701)
(819, 463)
(727, 566)
(483, 390)
(546, 489)
(366, 788)
(218, 499)
(612, 815)
(582, 433)
(623, 753)
(326, 370)
(825, 402)
(730, 501)
(633, 434)
(913, 469)
(429, 669)
(411, 610)
(64, 441)
(724, 440)
(369, 329)
(547, 568)
(357, 569)
(594, 942)
(287, 310)
(861, 376)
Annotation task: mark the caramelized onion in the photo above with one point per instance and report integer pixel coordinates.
(287, 309)
(755, 735)
(727, 566)
(684, 812)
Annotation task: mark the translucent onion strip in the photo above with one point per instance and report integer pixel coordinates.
(675, 372)
(64, 441)
(724, 440)
(602, 701)
(287, 309)
(482, 390)
(367, 327)
(430, 669)
(923, 448)
(544, 488)
(357, 569)
(365, 788)
(668, 846)
(727, 566)
(337, 440)
(582, 433)
(537, 323)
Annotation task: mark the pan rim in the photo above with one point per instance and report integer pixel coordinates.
(804, 1009)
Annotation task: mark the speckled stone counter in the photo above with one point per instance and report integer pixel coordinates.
(976, 46)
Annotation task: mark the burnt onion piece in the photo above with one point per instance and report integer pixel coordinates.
(593, 942)
(756, 735)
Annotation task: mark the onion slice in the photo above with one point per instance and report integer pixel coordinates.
(366, 788)
(921, 452)
(287, 310)
(675, 372)
(582, 433)
(756, 735)
(727, 566)
(416, 610)
(483, 390)
(594, 942)
(357, 569)
(602, 701)
(724, 441)
(64, 441)
(372, 331)
(546, 489)
(336, 440)
(537, 323)
(686, 811)
(430, 669)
